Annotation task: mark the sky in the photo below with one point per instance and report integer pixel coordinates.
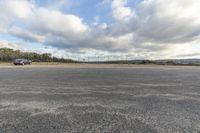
(133, 29)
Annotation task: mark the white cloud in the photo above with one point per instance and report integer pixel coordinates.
(12, 9)
(171, 22)
(160, 25)
(115, 43)
(57, 23)
(120, 11)
(156, 28)
(12, 45)
(26, 35)
(20, 8)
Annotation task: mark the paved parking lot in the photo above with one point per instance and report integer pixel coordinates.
(99, 100)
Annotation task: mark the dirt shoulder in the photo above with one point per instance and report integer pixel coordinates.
(83, 65)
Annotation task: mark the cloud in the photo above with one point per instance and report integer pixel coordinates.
(26, 35)
(156, 28)
(11, 10)
(120, 11)
(98, 39)
(159, 26)
(19, 9)
(44, 24)
(57, 23)
(12, 45)
(171, 22)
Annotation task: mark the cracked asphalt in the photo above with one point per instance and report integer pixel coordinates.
(159, 99)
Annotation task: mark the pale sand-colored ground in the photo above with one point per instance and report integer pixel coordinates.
(74, 65)
(84, 65)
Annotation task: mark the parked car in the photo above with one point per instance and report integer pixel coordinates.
(22, 62)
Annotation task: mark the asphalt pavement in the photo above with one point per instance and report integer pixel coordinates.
(100, 100)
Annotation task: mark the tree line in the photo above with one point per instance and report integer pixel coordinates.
(8, 55)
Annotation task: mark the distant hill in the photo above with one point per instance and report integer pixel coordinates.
(179, 61)
(157, 62)
(7, 55)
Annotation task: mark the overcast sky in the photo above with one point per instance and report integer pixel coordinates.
(152, 29)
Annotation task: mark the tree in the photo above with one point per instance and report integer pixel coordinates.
(7, 55)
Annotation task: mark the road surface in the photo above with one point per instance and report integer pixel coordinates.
(157, 99)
